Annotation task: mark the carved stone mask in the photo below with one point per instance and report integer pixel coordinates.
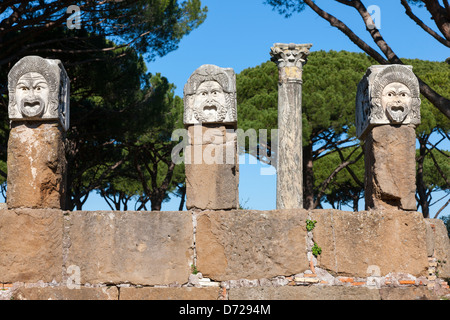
(39, 90)
(32, 93)
(210, 102)
(387, 94)
(396, 101)
(210, 96)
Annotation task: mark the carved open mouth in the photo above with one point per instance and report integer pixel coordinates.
(32, 108)
(210, 111)
(32, 104)
(397, 112)
(397, 108)
(210, 108)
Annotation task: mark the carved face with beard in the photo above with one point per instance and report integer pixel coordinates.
(210, 102)
(396, 101)
(32, 94)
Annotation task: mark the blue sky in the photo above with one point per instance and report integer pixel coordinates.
(239, 34)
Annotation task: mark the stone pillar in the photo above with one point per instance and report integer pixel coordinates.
(290, 59)
(39, 113)
(211, 158)
(387, 113)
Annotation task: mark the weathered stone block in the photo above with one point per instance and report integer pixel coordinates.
(251, 244)
(410, 293)
(303, 293)
(390, 166)
(351, 242)
(36, 166)
(64, 293)
(217, 134)
(211, 167)
(439, 245)
(183, 293)
(146, 248)
(211, 187)
(31, 245)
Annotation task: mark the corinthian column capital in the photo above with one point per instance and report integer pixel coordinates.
(290, 55)
(290, 59)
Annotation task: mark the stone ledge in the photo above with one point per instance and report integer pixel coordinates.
(64, 293)
(182, 293)
(312, 292)
(331, 293)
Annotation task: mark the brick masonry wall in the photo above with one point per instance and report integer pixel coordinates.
(226, 255)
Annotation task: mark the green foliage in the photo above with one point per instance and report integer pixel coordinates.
(343, 189)
(243, 205)
(433, 178)
(117, 108)
(316, 250)
(329, 90)
(152, 27)
(151, 149)
(435, 10)
(169, 21)
(328, 103)
(287, 7)
(257, 97)
(330, 80)
(436, 75)
(3, 171)
(310, 224)
(120, 114)
(101, 115)
(3, 168)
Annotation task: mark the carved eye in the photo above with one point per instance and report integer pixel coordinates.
(24, 88)
(389, 94)
(403, 94)
(38, 88)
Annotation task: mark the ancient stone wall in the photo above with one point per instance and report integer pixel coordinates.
(222, 255)
(214, 251)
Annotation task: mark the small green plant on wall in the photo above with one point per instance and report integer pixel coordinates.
(194, 269)
(310, 224)
(316, 250)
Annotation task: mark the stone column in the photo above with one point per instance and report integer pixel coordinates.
(290, 59)
(211, 158)
(387, 113)
(39, 113)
